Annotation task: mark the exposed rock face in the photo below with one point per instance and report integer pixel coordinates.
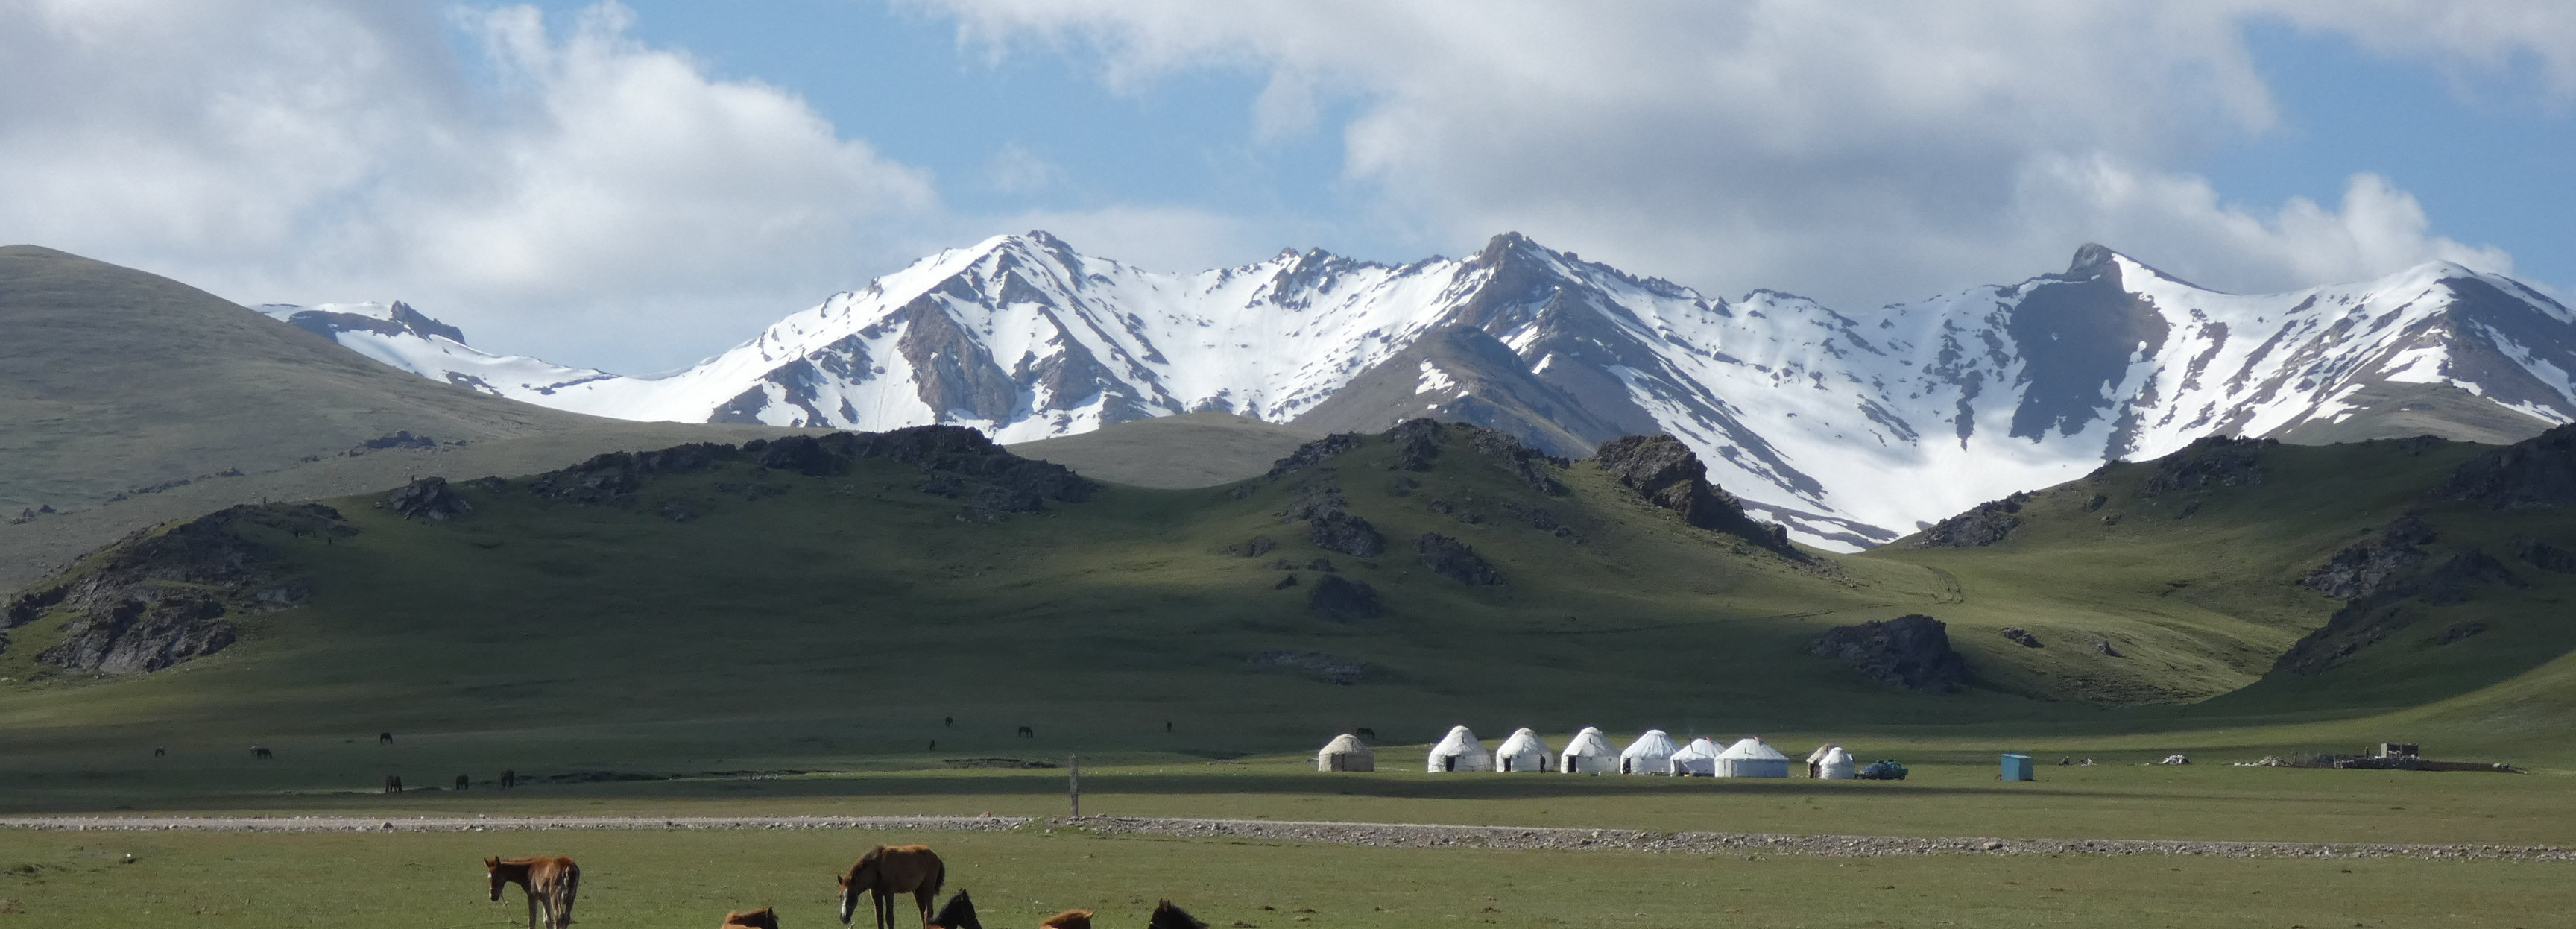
(1416, 443)
(1666, 473)
(2217, 460)
(154, 599)
(2536, 473)
(951, 459)
(2023, 636)
(1454, 560)
(1909, 653)
(428, 498)
(1312, 453)
(1986, 525)
(1349, 535)
(2367, 569)
(1316, 497)
(1342, 600)
(1535, 468)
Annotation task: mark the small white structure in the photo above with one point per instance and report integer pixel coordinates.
(1698, 759)
(1345, 753)
(1589, 753)
(1652, 753)
(1751, 758)
(1523, 752)
(1816, 759)
(1460, 752)
(1837, 765)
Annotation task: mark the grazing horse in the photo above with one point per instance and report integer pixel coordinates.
(160, 752)
(509, 779)
(763, 918)
(1069, 919)
(889, 870)
(1168, 916)
(464, 781)
(384, 738)
(958, 914)
(260, 751)
(549, 882)
(393, 783)
(1028, 733)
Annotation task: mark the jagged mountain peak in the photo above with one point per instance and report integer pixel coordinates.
(1848, 429)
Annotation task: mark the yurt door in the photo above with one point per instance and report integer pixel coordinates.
(1449, 763)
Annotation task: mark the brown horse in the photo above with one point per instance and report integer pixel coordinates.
(889, 870)
(1069, 919)
(762, 918)
(548, 882)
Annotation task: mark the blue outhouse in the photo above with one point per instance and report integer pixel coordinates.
(2017, 767)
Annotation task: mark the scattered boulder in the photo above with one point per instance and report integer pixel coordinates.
(1341, 600)
(2103, 646)
(2175, 759)
(1909, 652)
(1988, 524)
(1285, 583)
(1349, 535)
(2095, 503)
(1259, 546)
(402, 439)
(2217, 460)
(428, 498)
(1454, 560)
(1281, 564)
(2023, 636)
(2536, 473)
(1667, 474)
(1321, 564)
(2459, 631)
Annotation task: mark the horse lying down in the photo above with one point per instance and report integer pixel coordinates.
(960, 914)
(763, 918)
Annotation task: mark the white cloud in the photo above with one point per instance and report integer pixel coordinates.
(1857, 151)
(572, 193)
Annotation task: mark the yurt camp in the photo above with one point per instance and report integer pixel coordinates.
(1652, 753)
(1460, 752)
(1589, 753)
(1750, 758)
(1837, 766)
(1698, 759)
(1816, 759)
(1523, 752)
(1345, 753)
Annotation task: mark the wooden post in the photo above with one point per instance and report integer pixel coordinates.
(1073, 782)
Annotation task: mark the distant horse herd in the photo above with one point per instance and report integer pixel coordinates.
(551, 883)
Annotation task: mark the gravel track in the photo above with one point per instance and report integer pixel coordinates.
(1373, 835)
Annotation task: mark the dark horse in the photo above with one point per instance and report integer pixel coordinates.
(393, 783)
(763, 918)
(1168, 916)
(958, 914)
(549, 882)
(463, 781)
(889, 870)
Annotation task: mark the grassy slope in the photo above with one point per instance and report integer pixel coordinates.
(1174, 452)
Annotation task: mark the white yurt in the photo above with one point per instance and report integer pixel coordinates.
(1816, 759)
(1589, 753)
(1523, 752)
(1698, 759)
(1460, 752)
(1652, 753)
(1751, 758)
(1345, 753)
(1837, 765)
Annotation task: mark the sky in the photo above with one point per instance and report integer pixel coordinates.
(636, 186)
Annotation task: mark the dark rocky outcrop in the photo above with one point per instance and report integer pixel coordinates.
(1416, 441)
(1454, 560)
(2546, 557)
(156, 598)
(1316, 497)
(2369, 568)
(2536, 473)
(1667, 474)
(1349, 535)
(1534, 468)
(428, 498)
(953, 461)
(1988, 524)
(400, 439)
(2023, 636)
(1909, 653)
(2218, 460)
(1312, 454)
(1342, 600)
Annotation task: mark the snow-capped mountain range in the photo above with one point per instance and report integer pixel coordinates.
(1852, 430)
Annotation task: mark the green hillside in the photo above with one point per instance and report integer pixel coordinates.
(838, 601)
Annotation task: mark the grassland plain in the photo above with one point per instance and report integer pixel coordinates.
(693, 878)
